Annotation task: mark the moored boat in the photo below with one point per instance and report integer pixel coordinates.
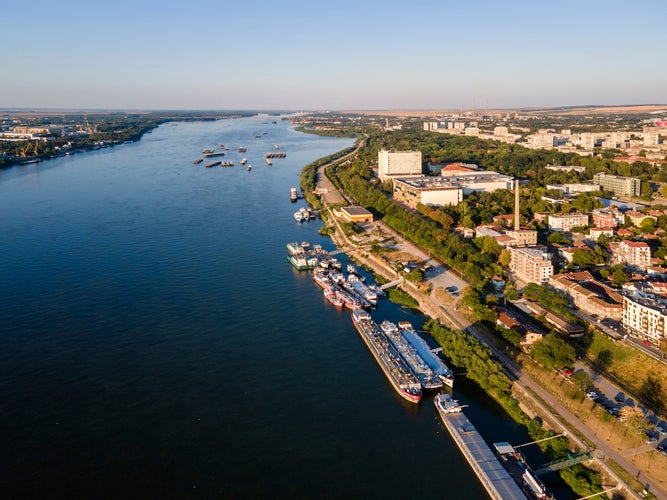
(445, 404)
(427, 377)
(333, 298)
(197, 161)
(397, 372)
(293, 195)
(243, 161)
(431, 359)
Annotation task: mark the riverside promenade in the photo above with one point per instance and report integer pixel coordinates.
(549, 407)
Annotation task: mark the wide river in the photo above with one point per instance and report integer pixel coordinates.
(156, 343)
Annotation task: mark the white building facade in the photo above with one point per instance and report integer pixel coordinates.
(399, 163)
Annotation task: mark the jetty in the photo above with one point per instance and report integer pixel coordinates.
(495, 478)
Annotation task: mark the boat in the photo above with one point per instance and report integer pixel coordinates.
(293, 195)
(362, 302)
(268, 162)
(518, 468)
(214, 164)
(243, 161)
(207, 151)
(364, 291)
(445, 404)
(227, 164)
(351, 269)
(321, 278)
(351, 302)
(294, 248)
(241, 149)
(424, 350)
(397, 372)
(212, 155)
(333, 298)
(299, 262)
(249, 168)
(197, 161)
(277, 145)
(427, 377)
(299, 215)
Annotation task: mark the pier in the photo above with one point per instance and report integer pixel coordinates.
(491, 473)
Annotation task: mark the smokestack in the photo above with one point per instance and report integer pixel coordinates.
(517, 213)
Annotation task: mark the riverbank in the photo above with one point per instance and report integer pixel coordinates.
(527, 391)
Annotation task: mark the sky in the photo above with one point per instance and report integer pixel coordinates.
(331, 55)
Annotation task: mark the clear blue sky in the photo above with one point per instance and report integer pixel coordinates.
(331, 55)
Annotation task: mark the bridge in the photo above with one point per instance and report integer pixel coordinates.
(392, 283)
(561, 463)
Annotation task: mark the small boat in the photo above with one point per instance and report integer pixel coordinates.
(268, 162)
(197, 161)
(249, 168)
(214, 164)
(333, 298)
(293, 195)
(277, 146)
(243, 161)
(207, 151)
(241, 149)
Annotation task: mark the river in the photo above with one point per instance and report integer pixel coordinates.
(155, 342)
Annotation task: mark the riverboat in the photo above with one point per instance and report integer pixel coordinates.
(397, 372)
(431, 359)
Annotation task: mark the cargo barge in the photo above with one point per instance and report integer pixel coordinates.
(431, 359)
(397, 372)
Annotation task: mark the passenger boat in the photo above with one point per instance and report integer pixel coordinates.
(397, 372)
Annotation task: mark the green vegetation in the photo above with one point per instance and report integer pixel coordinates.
(553, 352)
(399, 296)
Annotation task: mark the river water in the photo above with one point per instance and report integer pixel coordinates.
(155, 342)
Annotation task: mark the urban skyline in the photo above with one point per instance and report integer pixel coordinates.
(343, 56)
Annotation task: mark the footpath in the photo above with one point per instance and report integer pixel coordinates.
(548, 407)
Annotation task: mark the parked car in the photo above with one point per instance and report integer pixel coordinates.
(647, 343)
(651, 440)
(593, 396)
(567, 372)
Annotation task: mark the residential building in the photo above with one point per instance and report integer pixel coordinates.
(620, 186)
(399, 163)
(531, 264)
(644, 316)
(589, 295)
(632, 253)
(607, 217)
(565, 222)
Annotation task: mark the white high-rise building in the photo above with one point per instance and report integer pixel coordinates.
(399, 163)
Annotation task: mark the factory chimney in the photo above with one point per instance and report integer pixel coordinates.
(517, 213)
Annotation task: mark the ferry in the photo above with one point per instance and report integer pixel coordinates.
(445, 404)
(427, 377)
(397, 372)
(431, 359)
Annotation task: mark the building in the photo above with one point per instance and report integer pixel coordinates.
(561, 324)
(399, 163)
(620, 186)
(596, 232)
(632, 253)
(447, 190)
(565, 222)
(355, 214)
(644, 316)
(607, 217)
(573, 189)
(589, 295)
(427, 191)
(567, 168)
(531, 264)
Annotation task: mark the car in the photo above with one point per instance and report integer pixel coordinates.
(592, 395)
(662, 447)
(619, 398)
(452, 288)
(647, 343)
(661, 429)
(651, 440)
(567, 372)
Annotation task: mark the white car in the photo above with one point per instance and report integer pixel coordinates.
(592, 395)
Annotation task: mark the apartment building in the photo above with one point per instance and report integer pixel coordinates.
(565, 222)
(531, 264)
(620, 186)
(645, 317)
(632, 253)
(399, 163)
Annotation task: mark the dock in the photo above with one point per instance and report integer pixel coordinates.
(491, 473)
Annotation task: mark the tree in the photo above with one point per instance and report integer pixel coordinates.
(582, 380)
(557, 237)
(553, 352)
(504, 257)
(583, 258)
(635, 419)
